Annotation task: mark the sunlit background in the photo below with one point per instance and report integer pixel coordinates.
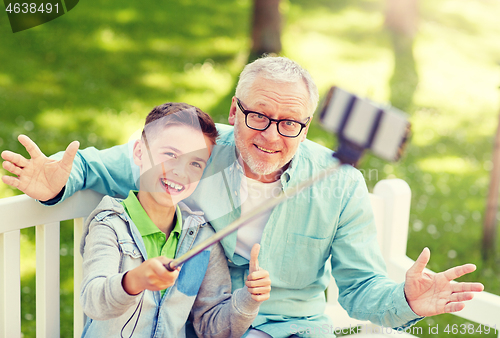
(94, 74)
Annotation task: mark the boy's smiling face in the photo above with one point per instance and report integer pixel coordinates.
(173, 165)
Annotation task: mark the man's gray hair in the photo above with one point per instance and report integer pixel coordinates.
(277, 69)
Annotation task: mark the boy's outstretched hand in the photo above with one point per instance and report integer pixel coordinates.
(39, 177)
(258, 281)
(150, 275)
(436, 293)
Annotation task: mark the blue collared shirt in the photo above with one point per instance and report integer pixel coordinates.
(333, 219)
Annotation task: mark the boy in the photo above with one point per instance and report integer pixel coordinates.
(126, 289)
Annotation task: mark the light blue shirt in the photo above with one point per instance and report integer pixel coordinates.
(333, 219)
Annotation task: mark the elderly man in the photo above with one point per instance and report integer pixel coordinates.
(265, 152)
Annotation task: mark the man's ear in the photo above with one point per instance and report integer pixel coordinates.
(137, 152)
(304, 133)
(232, 112)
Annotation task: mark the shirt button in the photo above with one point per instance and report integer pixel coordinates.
(191, 232)
(134, 252)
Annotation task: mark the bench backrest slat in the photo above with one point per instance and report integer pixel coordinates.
(47, 280)
(10, 284)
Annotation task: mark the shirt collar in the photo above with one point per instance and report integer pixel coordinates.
(288, 174)
(141, 219)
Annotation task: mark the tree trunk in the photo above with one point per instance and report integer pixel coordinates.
(266, 28)
(490, 217)
(401, 18)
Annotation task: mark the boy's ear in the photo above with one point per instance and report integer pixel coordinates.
(137, 152)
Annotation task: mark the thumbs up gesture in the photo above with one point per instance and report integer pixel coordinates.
(258, 281)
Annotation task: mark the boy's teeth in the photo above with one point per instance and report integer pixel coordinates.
(172, 185)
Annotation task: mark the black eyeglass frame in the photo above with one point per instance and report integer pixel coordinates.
(246, 112)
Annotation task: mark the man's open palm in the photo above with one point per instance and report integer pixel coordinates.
(429, 294)
(40, 177)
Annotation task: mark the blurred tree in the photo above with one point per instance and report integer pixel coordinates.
(266, 28)
(401, 18)
(490, 217)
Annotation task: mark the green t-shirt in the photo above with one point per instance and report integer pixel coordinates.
(154, 239)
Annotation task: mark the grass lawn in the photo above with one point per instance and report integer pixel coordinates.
(94, 73)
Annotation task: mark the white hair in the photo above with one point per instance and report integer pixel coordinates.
(277, 69)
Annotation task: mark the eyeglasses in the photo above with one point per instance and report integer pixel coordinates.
(258, 121)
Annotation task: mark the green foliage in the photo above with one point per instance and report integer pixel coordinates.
(94, 74)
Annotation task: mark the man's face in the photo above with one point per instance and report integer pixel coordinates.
(266, 154)
(173, 165)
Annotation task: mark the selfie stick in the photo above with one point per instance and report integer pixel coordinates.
(359, 124)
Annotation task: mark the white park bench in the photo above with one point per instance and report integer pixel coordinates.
(390, 201)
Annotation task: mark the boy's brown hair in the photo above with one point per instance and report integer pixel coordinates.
(182, 114)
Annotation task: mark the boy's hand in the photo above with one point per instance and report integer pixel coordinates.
(258, 281)
(150, 275)
(39, 177)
